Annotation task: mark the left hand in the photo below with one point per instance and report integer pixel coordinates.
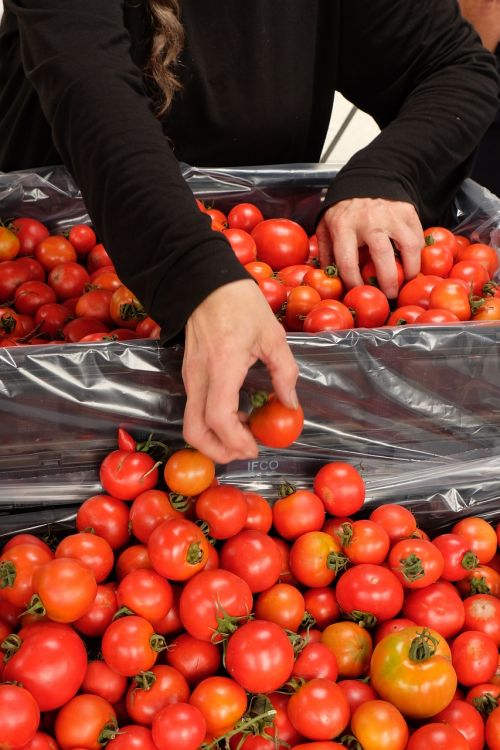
(374, 222)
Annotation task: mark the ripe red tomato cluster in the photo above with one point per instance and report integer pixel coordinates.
(56, 288)
(182, 614)
(455, 283)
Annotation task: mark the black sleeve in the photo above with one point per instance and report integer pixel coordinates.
(76, 54)
(422, 73)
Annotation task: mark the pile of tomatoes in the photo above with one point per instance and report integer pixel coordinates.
(182, 614)
(56, 288)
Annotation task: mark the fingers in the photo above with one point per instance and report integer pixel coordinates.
(282, 367)
(409, 239)
(345, 250)
(384, 260)
(325, 249)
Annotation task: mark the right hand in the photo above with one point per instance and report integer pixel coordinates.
(484, 15)
(225, 335)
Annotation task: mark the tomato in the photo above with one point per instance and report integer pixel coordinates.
(283, 729)
(452, 295)
(101, 680)
(29, 232)
(480, 536)
(244, 216)
(489, 310)
(292, 276)
(388, 627)
(412, 669)
(441, 237)
(281, 243)
(316, 558)
(133, 738)
(125, 474)
(254, 557)
(189, 472)
(482, 612)
(31, 295)
(223, 509)
(92, 550)
(480, 580)
(286, 575)
(145, 593)
(416, 562)
(437, 317)
(417, 291)
(466, 719)
(53, 250)
(100, 613)
(180, 726)
(82, 237)
(242, 243)
(51, 319)
(148, 510)
(259, 656)
(352, 646)
(68, 280)
(177, 549)
(170, 624)
(66, 588)
(9, 244)
(50, 662)
(12, 274)
(107, 516)
(364, 541)
(473, 273)
(19, 717)
(274, 292)
(325, 281)
(357, 692)
(340, 487)
(296, 512)
(194, 659)
(369, 273)
(485, 698)
(437, 736)
(132, 558)
(98, 258)
(398, 521)
(492, 730)
(125, 309)
(404, 315)
(437, 606)
(41, 741)
(282, 604)
(150, 692)
(484, 254)
(84, 722)
(370, 306)
(316, 661)
(259, 270)
(147, 328)
(327, 318)
(77, 329)
(219, 218)
(474, 656)
(259, 513)
(301, 300)
(319, 710)
(377, 724)
(457, 555)
(27, 539)
(130, 645)
(10, 613)
(368, 591)
(17, 569)
(321, 604)
(436, 260)
(221, 701)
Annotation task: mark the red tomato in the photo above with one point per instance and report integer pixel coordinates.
(133, 738)
(83, 238)
(12, 275)
(438, 737)
(416, 562)
(369, 273)
(282, 604)
(51, 319)
(125, 309)
(19, 717)
(31, 295)
(466, 719)
(321, 604)
(125, 474)
(473, 273)
(32, 267)
(148, 510)
(274, 292)
(297, 512)
(319, 710)
(254, 557)
(259, 270)
(451, 295)
(326, 317)
(53, 250)
(325, 281)
(274, 424)
(68, 280)
(392, 626)
(189, 472)
(100, 613)
(223, 508)
(405, 315)
(301, 300)
(259, 656)
(316, 558)
(242, 243)
(436, 260)
(41, 741)
(492, 730)
(170, 624)
(480, 536)
(437, 317)
(132, 558)
(369, 591)
(18, 566)
(244, 216)
(482, 612)
(292, 276)
(194, 659)
(485, 698)
(150, 692)
(101, 680)
(281, 243)
(364, 541)
(180, 726)
(457, 555)
(79, 328)
(145, 593)
(92, 550)
(82, 721)
(484, 254)
(107, 516)
(29, 232)
(221, 701)
(218, 217)
(259, 513)
(178, 549)
(66, 587)
(417, 291)
(98, 258)
(130, 645)
(316, 661)
(441, 237)
(398, 521)
(437, 606)
(488, 310)
(370, 306)
(340, 487)
(474, 656)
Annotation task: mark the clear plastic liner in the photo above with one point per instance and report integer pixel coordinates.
(416, 409)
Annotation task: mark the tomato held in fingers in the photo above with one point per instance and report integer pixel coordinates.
(259, 656)
(223, 509)
(178, 549)
(65, 588)
(151, 691)
(412, 669)
(369, 594)
(106, 516)
(416, 562)
(370, 305)
(474, 656)
(189, 472)
(273, 424)
(466, 719)
(221, 701)
(19, 717)
(352, 646)
(316, 558)
(125, 474)
(437, 606)
(281, 243)
(86, 721)
(319, 710)
(180, 726)
(340, 487)
(145, 593)
(378, 724)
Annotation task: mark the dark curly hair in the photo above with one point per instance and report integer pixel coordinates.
(167, 43)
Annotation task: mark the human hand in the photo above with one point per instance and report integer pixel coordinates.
(374, 222)
(484, 15)
(225, 335)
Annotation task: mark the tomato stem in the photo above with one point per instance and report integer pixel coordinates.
(470, 560)
(194, 554)
(108, 732)
(259, 398)
(179, 502)
(351, 742)
(132, 311)
(7, 574)
(412, 568)
(243, 726)
(123, 612)
(363, 619)
(286, 489)
(423, 646)
(298, 642)
(479, 585)
(145, 680)
(337, 561)
(345, 534)
(10, 646)
(157, 642)
(485, 704)
(308, 621)
(36, 607)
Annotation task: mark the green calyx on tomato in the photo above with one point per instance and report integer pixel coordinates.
(260, 716)
(423, 646)
(469, 561)
(485, 704)
(157, 643)
(286, 489)
(345, 534)
(298, 642)
(108, 733)
(7, 574)
(10, 646)
(144, 680)
(227, 624)
(412, 568)
(337, 561)
(259, 398)
(363, 619)
(194, 554)
(36, 607)
(132, 311)
(479, 585)
(179, 502)
(205, 528)
(351, 742)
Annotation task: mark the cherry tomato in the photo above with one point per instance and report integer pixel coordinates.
(441, 237)
(480, 580)
(451, 295)
(66, 587)
(388, 627)
(148, 511)
(53, 250)
(377, 724)
(77, 329)
(484, 254)
(398, 521)
(98, 258)
(125, 309)
(101, 680)
(319, 710)
(321, 604)
(416, 562)
(316, 558)
(18, 565)
(296, 512)
(492, 730)
(437, 317)
(325, 281)
(29, 232)
(224, 509)
(259, 270)
(316, 661)
(133, 738)
(480, 536)
(19, 716)
(274, 292)
(242, 243)
(150, 692)
(364, 541)
(221, 701)
(189, 472)
(132, 558)
(259, 656)
(31, 295)
(84, 721)
(473, 273)
(259, 513)
(125, 474)
(282, 604)
(370, 305)
(368, 591)
(180, 726)
(437, 736)
(474, 656)
(436, 260)
(145, 593)
(352, 646)
(437, 606)
(100, 613)
(92, 550)
(404, 315)
(357, 692)
(106, 516)
(130, 645)
(340, 487)
(482, 612)
(417, 291)
(328, 318)
(254, 557)
(178, 549)
(489, 310)
(301, 300)
(457, 555)
(244, 216)
(83, 238)
(281, 243)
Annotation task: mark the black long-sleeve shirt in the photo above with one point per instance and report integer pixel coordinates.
(258, 84)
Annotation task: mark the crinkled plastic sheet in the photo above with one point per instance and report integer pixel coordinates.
(416, 409)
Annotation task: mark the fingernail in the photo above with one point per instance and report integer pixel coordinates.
(293, 400)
